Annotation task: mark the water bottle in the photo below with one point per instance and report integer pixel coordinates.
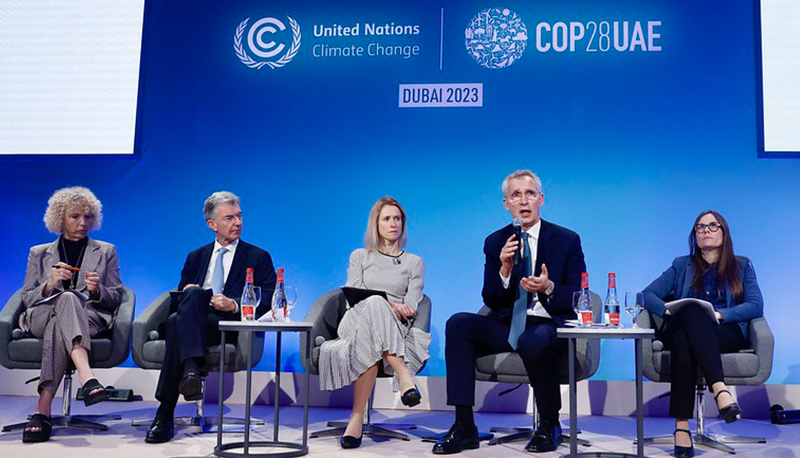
(249, 301)
(279, 299)
(611, 305)
(585, 302)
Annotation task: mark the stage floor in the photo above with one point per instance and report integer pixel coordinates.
(613, 434)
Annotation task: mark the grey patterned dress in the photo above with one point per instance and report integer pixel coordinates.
(371, 327)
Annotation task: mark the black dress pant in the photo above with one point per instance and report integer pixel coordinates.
(695, 340)
(469, 336)
(190, 329)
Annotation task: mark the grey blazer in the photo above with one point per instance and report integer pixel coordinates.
(100, 257)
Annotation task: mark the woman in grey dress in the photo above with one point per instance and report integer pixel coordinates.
(378, 329)
(72, 291)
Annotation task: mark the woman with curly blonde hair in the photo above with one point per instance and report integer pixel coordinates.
(71, 293)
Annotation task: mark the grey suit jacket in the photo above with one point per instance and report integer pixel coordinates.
(100, 257)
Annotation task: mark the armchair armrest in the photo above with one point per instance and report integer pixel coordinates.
(8, 321)
(325, 314)
(155, 314)
(763, 342)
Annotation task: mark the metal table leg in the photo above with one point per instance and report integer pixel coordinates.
(276, 416)
(221, 388)
(573, 401)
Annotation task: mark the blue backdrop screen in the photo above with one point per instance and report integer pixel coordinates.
(636, 116)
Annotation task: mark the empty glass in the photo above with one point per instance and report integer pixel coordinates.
(634, 303)
(291, 300)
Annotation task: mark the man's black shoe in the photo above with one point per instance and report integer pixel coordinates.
(546, 438)
(161, 430)
(457, 439)
(191, 386)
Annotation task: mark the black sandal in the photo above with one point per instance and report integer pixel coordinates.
(45, 426)
(730, 412)
(100, 393)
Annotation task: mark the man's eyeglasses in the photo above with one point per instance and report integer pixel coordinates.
(516, 196)
(713, 227)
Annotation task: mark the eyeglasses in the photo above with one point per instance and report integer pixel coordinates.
(516, 196)
(713, 227)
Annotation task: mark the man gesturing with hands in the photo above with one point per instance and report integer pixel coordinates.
(528, 301)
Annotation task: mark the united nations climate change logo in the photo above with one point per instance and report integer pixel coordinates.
(496, 38)
(274, 51)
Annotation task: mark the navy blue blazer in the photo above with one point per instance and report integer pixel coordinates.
(559, 248)
(247, 255)
(676, 283)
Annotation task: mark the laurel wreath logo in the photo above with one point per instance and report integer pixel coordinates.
(285, 59)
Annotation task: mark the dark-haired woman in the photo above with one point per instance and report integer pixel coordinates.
(711, 272)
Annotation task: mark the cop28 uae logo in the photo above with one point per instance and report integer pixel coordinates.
(496, 38)
(275, 50)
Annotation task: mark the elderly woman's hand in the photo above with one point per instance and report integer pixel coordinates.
(92, 280)
(57, 275)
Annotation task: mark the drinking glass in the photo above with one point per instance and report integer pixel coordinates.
(576, 305)
(291, 299)
(634, 303)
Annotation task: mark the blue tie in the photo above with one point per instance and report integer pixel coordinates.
(520, 314)
(218, 277)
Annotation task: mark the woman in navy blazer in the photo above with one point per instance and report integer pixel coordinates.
(713, 273)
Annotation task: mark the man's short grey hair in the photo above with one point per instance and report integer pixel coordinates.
(219, 197)
(537, 183)
(65, 199)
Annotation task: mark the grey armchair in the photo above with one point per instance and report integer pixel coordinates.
(19, 350)
(507, 367)
(325, 313)
(149, 348)
(751, 366)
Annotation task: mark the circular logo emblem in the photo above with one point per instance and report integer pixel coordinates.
(269, 40)
(496, 37)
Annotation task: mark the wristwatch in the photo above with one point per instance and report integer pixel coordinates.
(550, 289)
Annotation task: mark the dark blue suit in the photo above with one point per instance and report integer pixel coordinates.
(194, 324)
(469, 335)
(693, 338)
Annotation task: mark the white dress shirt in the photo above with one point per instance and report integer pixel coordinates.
(535, 308)
(227, 261)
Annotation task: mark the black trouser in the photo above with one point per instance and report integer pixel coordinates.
(694, 339)
(469, 336)
(190, 329)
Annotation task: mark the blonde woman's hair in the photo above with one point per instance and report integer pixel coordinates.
(372, 238)
(66, 198)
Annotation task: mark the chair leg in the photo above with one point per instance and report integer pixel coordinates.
(67, 420)
(525, 434)
(207, 424)
(700, 437)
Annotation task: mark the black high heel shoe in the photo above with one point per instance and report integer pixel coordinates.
(411, 397)
(350, 441)
(730, 412)
(683, 452)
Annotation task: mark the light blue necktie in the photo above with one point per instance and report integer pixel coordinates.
(218, 277)
(520, 313)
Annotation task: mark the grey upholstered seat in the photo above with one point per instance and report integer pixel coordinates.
(325, 314)
(507, 367)
(751, 366)
(20, 350)
(149, 348)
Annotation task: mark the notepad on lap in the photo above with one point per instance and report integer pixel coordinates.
(356, 295)
(675, 306)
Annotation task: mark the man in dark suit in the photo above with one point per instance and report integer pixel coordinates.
(212, 281)
(529, 301)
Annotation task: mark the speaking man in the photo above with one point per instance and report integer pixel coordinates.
(212, 281)
(529, 300)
